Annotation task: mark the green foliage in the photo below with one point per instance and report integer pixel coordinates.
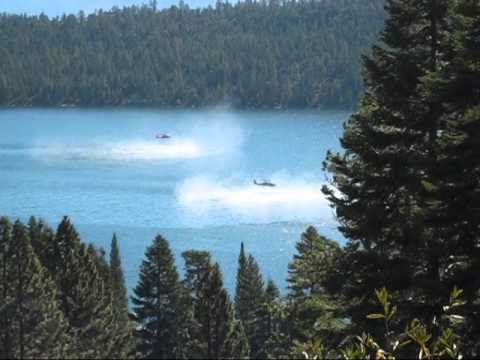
(31, 323)
(309, 348)
(280, 342)
(313, 261)
(417, 334)
(405, 190)
(119, 292)
(454, 206)
(158, 303)
(249, 302)
(219, 334)
(124, 346)
(388, 310)
(41, 236)
(271, 291)
(194, 318)
(58, 295)
(410, 165)
(80, 275)
(312, 311)
(242, 284)
(249, 54)
(416, 341)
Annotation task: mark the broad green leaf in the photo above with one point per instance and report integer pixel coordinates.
(375, 316)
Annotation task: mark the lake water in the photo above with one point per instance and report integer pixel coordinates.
(107, 171)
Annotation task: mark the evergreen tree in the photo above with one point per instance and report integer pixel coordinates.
(157, 303)
(381, 178)
(271, 291)
(255, 334)
(197, 267)
(313, 261)
(63, 262)
(214, 330)
(312, 311)
(236, 344)
(453, 183)
(31, 323)
(41, 236)
(241, 307)
(278, 324)
(92, 318)
(249, 298)
(221, 336)
(264, 326)
(124, 331)
(117, 279)
(83, 294)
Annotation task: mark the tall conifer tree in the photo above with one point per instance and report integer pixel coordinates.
(454, 183)
(41, 237)
(222, 335)
(92, 317)
(381, 178)
(314, 259)
(241, 285)
(117, 279)
(197, 267)
(157, 303)
(312, 311)
(214, 330)
(83, 294)
(249, 298)
(264, 323)
(271, 291)
(31, 323)
(124, 331)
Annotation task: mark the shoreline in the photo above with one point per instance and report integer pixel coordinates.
(173, 108)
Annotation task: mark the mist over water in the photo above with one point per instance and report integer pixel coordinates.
(118, 151)
(292, 199)
(107, 170)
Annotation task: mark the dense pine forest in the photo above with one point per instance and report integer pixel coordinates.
(251, 54)
(406, 191)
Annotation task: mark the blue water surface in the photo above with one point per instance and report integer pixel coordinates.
(106, 169)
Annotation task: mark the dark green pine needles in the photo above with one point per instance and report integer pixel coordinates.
(454, 182)
(215, 331)
(249, 299)
(312, 311)
(406, 187)
(389, 151)
(31, 322)
(157, 303)
(124, 328)
(56, 296)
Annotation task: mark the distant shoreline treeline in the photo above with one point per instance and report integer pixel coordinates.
(274, 54)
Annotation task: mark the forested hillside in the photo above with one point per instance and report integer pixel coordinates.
(251, 54)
